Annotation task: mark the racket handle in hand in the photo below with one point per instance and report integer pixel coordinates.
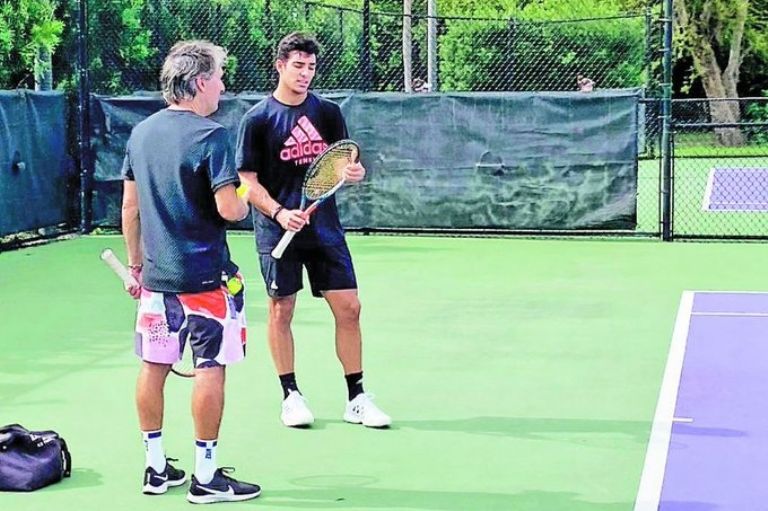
(113, 262)
(277, 252)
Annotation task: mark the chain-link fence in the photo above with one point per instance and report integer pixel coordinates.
(720, 168)
(363, 47)
(720, 145)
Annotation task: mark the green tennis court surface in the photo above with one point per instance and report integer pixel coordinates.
(521, 374)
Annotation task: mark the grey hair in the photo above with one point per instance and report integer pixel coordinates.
(187, 61)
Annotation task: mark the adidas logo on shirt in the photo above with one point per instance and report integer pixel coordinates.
(303, 144)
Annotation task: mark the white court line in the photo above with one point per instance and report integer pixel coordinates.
(708, 191)
(649, 492)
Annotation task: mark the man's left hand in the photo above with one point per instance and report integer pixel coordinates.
(354, 172)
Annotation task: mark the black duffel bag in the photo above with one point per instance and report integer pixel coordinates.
(31, 459)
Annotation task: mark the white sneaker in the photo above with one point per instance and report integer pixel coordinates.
(295, 411)
(361, 410)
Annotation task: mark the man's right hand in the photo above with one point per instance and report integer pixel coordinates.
(292, 219)
(135, 291)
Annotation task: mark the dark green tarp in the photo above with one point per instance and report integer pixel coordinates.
(36, 174)
(523, 161)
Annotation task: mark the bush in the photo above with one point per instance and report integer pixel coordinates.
(26, 27)
(529, 54)
(757, 111)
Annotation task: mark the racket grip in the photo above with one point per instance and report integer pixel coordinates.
(114, 263)
(277, 252)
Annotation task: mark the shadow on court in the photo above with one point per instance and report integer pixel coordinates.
(534, 427)
(383, 498)
(694, 430)
(81, 478)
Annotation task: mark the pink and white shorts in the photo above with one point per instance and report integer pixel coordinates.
(211, 322)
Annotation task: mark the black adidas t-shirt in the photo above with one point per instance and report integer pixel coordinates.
(178, 160)
(278, 142)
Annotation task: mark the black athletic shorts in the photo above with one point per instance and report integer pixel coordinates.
(328, 268)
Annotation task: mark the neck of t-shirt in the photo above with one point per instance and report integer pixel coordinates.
(178, 107)
(288, 97)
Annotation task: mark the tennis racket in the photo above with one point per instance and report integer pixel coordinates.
(324, 177)
(184, 367)
(119, 268)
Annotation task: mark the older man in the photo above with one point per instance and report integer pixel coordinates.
(179, 194)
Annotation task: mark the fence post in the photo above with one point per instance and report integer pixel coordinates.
(366, 49)
(83, 118)
(432, 45)
(649, 48)
(666, 128)
(510, 74)
(407, 46)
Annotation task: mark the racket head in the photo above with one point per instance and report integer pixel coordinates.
(185, 367)
(327, 170)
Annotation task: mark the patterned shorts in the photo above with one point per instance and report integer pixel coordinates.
(211, 322)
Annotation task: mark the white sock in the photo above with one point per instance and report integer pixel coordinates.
(153, 450)
(205, 460)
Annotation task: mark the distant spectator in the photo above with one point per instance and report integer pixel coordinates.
(419, 85)
(585, 84)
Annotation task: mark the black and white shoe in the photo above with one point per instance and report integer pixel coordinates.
(157, 484)
(222, 488)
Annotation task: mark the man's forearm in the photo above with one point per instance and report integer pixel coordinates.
(132, 235)
(258, 195)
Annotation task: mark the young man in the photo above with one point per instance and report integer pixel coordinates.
(179, 193)
(277, 140)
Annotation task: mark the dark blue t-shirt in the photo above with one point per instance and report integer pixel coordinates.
(178, 160)
(278, 142)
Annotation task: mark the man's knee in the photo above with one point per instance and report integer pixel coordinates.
(348, 311)
(210, 378)
(281, 310)
(153, 371)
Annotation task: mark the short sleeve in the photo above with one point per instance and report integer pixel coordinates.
(127, 172)
(220, 164)
(339, 125)
(249, 156)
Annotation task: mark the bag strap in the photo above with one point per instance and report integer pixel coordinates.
(10, 433)
(66, 458)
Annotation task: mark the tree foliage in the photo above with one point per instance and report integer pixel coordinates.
(532, 45)
(26, 27)
(545, 45)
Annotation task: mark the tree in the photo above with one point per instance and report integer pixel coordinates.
(754, 70)
(534, 46)
(28, 29)
(712, 31)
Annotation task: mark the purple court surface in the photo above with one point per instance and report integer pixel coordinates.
(709, 444)
(737, 189)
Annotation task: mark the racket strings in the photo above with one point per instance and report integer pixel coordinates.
(327, 172)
